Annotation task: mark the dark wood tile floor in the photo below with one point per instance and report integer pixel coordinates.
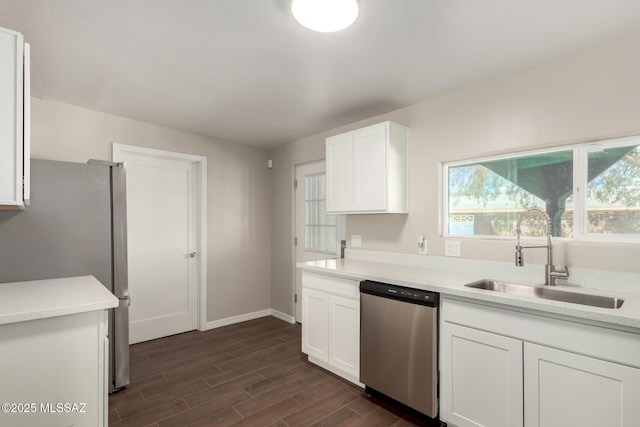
(247, 374)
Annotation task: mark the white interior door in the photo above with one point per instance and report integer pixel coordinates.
(162, 242)
(317, 234)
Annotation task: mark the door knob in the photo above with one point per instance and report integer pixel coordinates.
(192, 254)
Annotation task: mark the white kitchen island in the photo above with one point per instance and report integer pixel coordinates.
(54, 352)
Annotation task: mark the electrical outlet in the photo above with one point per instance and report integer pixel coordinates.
(452, 248)
(422, 245)
(356, 241)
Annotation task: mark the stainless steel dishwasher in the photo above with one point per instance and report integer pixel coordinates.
(399, 344)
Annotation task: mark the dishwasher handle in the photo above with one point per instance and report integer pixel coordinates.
(400, 293)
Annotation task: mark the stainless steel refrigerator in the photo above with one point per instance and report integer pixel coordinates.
(75, 226)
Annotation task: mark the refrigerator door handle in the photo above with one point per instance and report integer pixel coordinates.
(105, 163)
(120, 275)
(120, 349)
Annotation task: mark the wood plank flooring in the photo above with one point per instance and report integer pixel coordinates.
(248, 374)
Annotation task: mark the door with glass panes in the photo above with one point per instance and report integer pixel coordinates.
(316, 233)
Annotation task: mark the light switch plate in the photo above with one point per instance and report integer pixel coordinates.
(356, 241)
(422, 245)
(452, 248)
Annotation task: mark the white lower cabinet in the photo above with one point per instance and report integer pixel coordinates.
(344, 334)
(315, 324)
(54, 371)
(331, 324)
(481, 378)
(504, 368)
(566, 389)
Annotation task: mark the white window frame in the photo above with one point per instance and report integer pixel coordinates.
(580, 174)
(581, 185)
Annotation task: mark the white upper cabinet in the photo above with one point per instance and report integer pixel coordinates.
(14, 120)
(340, 174)
(367, 170)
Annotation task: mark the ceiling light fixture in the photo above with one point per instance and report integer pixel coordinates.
(325, 16)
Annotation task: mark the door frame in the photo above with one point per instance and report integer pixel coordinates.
(341, 233)
(200, 162)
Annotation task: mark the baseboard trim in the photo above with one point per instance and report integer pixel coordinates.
(248, 316)
(282, 316)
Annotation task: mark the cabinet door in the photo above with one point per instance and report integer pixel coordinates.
(481, 382)
(11, 116)
(340, 173)
(315, 324)
(344, 334)
(51, 361)
(370, 154)
(566, 389)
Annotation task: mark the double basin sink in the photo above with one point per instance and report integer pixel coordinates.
(548, 293)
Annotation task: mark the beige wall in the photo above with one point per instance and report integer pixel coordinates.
(590, 96)
(284, 161)
(238, 189)
(250, 208)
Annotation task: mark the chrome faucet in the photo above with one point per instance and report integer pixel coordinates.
(550, 272)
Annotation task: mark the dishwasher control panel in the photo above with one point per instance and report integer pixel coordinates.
(401, 293)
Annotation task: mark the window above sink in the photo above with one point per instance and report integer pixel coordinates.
(590, 191)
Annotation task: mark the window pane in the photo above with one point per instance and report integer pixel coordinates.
(613, 191)
(485, 198)
(307, 237)
(332, 219)
(307, 212)
(320, 228)
(332, 239)
(321, 188)
(322, 212)
(313, 219)
(314, 187)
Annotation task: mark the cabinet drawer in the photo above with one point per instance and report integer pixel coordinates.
(595, 341)
(334, 285)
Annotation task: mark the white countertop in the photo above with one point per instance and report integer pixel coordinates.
(38, 299)
(452, 283)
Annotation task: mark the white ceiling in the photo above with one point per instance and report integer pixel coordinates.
(244, 71)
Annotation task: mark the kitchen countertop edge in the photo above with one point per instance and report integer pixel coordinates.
(451, 283)
(40, 299)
